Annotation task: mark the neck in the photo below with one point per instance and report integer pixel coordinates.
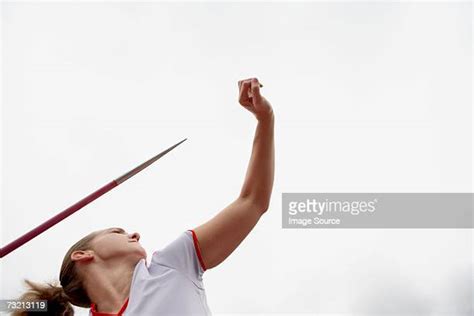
(109, 287)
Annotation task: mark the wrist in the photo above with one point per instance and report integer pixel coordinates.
(267, 117)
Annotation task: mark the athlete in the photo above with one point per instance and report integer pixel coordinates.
(107, 271)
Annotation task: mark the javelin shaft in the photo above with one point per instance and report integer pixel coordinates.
(56, 219)
(77, 206)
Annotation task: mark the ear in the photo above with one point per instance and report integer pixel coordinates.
(82, 255)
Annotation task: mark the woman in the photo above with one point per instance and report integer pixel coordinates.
(107, 270)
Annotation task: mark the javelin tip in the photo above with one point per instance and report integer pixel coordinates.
(136, 170)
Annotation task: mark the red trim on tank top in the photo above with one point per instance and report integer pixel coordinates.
(198, 250)
(96, 313)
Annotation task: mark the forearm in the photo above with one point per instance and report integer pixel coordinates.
(258, 182)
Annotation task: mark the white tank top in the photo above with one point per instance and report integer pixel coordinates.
(171, 285)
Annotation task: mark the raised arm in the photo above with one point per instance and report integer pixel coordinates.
(223, 233)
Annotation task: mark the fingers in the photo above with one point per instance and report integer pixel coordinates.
(255, 88)
(243, 94)
(240, 82)
(249, 92)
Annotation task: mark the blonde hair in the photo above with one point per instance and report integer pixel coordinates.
(70, 290)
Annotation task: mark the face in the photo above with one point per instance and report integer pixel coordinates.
(116, 242)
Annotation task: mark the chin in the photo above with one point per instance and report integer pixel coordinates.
(143, 254)
(138, 249)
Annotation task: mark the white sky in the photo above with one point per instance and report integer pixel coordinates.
(368, 97)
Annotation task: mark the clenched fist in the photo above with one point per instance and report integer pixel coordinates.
(251, 99)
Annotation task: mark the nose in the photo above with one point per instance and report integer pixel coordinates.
(135, 236)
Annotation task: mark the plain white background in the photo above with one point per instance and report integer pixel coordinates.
(368, 97)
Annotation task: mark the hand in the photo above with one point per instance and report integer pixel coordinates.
(251, 99)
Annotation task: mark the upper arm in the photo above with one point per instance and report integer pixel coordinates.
(223, 233)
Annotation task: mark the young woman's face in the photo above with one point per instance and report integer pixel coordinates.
(116, 242)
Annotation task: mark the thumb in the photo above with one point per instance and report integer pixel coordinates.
(255, 86)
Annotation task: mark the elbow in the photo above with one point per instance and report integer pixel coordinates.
(261, 206)
(264, 206)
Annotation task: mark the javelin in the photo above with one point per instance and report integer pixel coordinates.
(72, 209)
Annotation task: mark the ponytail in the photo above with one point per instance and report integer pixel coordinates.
(69, 291)
(58, 302)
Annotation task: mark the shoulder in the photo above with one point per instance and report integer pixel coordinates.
(182, 254)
